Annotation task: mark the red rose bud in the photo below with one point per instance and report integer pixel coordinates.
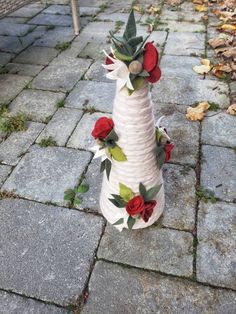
(168, 148)
(102, 128)
(135, 205)
(155, 75)
(148, 210)
(150, 57)
(108, 60)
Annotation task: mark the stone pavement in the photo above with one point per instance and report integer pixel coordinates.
(55, 258)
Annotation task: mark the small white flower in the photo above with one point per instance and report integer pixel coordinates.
(118, 71)
(98, 152)
(161, 129)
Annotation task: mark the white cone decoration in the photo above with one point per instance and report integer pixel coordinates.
(134, 124)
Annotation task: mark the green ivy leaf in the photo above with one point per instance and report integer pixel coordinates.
(130, 30)
(137, 84)
(125, 192)
(142, 190)
(82, 188)
(151, 193)
(117, 154)
(77, 201)
(69, 195)
(130, 222)
(119, 222)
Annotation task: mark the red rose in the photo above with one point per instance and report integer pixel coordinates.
(135, 205)
(108, 60)
(168, 148)
(148, 210)
(102, 128)
(150, 62)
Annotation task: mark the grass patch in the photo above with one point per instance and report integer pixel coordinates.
(46, 142)
(3, 109)
(213, 106)
(154, 22)
(118, 25)
(205, 195)
(3, 69)
(103, 7)
(61, 103)
(89, 109)
(73, 196)
(9, 124)
(62, 46)
(185, 170)
(50, 27)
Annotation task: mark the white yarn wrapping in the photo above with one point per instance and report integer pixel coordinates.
(134, 124)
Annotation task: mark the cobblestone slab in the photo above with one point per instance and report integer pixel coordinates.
(180, 197)
(93, 178)
(185, 44)
(216, 253)
(100, 95)
(57, 35)
(49, 250)
(51, 19)
(58, 9)
(97, 73)
(14, 20)
(44, 174)
(28, 10)
(117, 16)
(12, 304)
(18, 142)
(133, 291)
(11, 85)
(98, 28)
(36, 55)
(23, 69)
(88, 10)
(176, 26)
(37, 104)
(61, 75)
(81, 137)
(186, 91)
(183, 133)
(165, 250)
(219, 174)
(5, 58)
(219, 130)
(184, 12)
(94, 51)
(10, 29)
(4, 172)
(61, 125)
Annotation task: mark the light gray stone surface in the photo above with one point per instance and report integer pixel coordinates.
(81, 137)
(61, 75)
(99, 28)
(5, 58)
(49, 250)
(4, 172)
(44, 174)
(183, 133)
(184, 44)
(93, 178)
(37, 104)
(61, 125)
(186, 91)
(135, 291)
(94, 50)
(100, 95)
(11, 304)
(10, 29)
(58, 9)
(179, 182)
(97, 73)
(219, 129)
(11, 85)
(51, 19)
(36, 55)
(24, 69)
(182, 26)
(57, 35)
(184, 12)
(28, 10)
(218, 171)
(165, 250)
(216, 253)
(14, 20)
(18, 143)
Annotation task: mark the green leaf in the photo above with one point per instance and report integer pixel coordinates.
(112, 136)
(69, 195)
(134, 41)
(139, 49)
(151, 193)
(77, 201)
(119, 200)
(103, 166)
(144, 74)
(137, 84)
(142, 190)
(161, 158)
(130, 222)
(117, 154)
(130, 30)
(108, 167)
(119, 222)
(114, 202)
(158, 135)
(122, 57)
(125, 192)
(82, 188)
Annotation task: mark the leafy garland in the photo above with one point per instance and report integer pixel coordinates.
(139, 206)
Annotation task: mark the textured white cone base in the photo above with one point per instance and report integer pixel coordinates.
(134, 124)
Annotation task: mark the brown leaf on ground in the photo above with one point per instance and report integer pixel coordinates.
(201, 8)
(153, 9)
(216, 42)
(229, 28)
(173, 2)
(232, 110)
(197, 113)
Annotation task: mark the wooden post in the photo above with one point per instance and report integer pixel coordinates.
(75, 16)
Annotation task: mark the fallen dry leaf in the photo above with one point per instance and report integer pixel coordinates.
(173, 2)
(153, 9)
(204, 68)
(197, 113)
(232, 110)
(228, 28)
(136, 8)
(200, 8)
(216, 42)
